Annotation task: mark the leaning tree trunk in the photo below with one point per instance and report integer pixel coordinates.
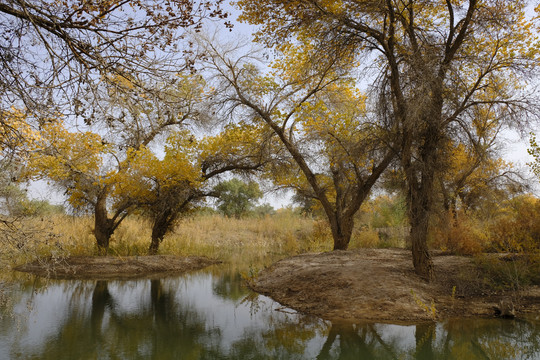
(103, 226)
(157, 238)
(162, 224)
(158, 233)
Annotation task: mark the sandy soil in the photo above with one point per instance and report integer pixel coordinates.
(380, 285)
(109, 267)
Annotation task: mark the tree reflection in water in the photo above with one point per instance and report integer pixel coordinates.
(158, 328)
(456, 339)
(205, 316)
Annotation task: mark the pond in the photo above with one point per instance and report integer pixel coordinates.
(209, 314)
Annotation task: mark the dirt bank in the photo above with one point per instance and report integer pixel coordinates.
(109, 267)
(380, 285)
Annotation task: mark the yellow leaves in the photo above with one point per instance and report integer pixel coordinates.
(259, 85)
(333, 6)
(336, 122)
(15, 131)
(500, 38)
(182, 143)
(60, 154)
(72, 160)
(234, 140)
(465, 170)
(187, 87)
(121, 81)
(302, 62)
(146, 177)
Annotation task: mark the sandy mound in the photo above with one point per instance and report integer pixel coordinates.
(379, 284)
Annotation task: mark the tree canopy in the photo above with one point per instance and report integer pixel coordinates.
(52, 50)
(325, 143)
(237, 198)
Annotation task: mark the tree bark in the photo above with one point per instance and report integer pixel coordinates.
(419, 216)
(103, 226)
(154, 244)
(157, 237)
(162, 224)
(421, 183)
(422, 262)
(341, 227)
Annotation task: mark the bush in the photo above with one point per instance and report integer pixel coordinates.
(365, 237)
(462, 234)
(264, 210)
(41, 208)
(517, 229)
(388, 211)
(510, 272)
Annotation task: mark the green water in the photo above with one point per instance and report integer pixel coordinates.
(209, 315)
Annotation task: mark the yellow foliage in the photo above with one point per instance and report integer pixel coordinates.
(15, 131)
(517, 228)
(145, 177)
(463, 235)
(75, 159)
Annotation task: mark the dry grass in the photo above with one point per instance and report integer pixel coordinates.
(253, 240)
(239, 241)
(24, 240)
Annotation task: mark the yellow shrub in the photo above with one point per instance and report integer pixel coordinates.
(365, 238)
(518, 227)
(463, 235)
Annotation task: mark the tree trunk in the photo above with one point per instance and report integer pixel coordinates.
(422, 262)
(341, 231)
(154, 244)
(421, 192)
(161, 226)
(421, 184)
(103, 226)
(420, 207)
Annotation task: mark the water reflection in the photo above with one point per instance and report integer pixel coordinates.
(230, 286)
(455, 339)
(209, 315)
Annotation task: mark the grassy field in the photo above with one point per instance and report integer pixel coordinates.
(229, 239)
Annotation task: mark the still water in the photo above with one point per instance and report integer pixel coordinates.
(209, 315)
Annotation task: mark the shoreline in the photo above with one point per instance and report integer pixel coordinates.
(115, 268)
(375, 285)
(380, 285)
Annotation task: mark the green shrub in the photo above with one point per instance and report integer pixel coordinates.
(509, 272)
